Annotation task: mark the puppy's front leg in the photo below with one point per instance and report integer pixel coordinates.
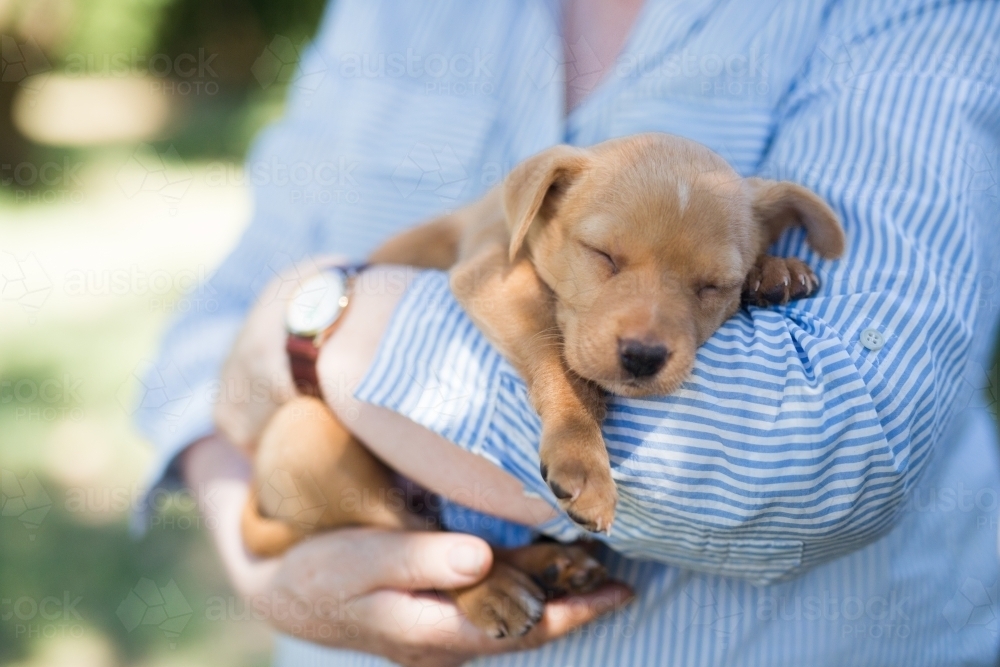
(514, 310)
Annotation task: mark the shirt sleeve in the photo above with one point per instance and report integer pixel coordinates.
(803, 427)
(801, 431)
(799, 435)
(356, 157)
(174, 406)
(297, 191)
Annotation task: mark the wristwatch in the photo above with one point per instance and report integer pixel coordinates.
(313, 314)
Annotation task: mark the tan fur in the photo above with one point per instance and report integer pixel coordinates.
(579, 258)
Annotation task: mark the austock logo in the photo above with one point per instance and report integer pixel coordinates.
(974, 605)
(47, 617)
(282, 62)
(149, 171)
(162, 606)
(286, 497)
(703, 607)
(24, 499)
(431, 169)
(159, 388)
(850, 64)
(21, 61)
(980, 387)
(978, 170)
(24, 280)
(552, 61)
(423, 611)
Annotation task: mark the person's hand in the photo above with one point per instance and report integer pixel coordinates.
(349, 588)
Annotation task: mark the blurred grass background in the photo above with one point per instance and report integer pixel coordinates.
(92, 263)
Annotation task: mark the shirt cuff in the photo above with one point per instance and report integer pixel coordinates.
(435, 368)
(172, 424)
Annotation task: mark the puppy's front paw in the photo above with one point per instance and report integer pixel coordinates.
(574, 463)
(775, 281)
(507, 603)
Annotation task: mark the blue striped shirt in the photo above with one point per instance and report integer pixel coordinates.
(803, 499)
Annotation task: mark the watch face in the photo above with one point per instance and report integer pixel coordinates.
(317, 304)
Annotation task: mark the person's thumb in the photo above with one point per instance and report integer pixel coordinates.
(370, 559)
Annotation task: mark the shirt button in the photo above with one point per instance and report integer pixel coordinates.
(872, 339)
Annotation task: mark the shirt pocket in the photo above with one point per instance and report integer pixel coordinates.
(760, 561)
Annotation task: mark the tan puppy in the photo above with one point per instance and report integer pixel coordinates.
(591, 270)
(604, 269)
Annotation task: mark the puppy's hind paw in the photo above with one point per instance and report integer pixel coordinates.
(507, 603)
(571, 570)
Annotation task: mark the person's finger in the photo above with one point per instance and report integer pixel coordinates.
(358, 560)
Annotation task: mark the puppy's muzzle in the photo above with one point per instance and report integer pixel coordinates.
(642, 360)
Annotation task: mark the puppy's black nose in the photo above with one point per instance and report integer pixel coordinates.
(642, 359)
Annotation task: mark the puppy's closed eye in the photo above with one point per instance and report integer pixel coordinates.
(708, 291)
(607, 259)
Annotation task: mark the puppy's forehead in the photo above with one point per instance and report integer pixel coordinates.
(668, 170)
(678, 208)
(712, 194)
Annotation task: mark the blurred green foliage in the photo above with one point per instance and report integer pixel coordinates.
(90, 555)
(231, 33)
(105, 27)
(237, 32)
(90, 570)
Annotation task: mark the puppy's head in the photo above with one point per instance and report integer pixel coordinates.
(646, 242)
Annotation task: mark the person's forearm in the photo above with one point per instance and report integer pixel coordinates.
(412, 450)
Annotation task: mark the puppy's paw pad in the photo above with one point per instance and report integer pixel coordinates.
(572, 570)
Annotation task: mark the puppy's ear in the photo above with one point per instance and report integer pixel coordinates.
(536, 187)
(778, 205)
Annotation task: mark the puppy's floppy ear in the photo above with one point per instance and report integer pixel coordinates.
(778, 205)
(535, 188)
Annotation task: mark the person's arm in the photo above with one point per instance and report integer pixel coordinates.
(307, 202)
(296, 169)
(794, 442)
(258, 360)
(353, 584)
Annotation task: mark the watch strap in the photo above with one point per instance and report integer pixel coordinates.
(302, 355)
(303, 351)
